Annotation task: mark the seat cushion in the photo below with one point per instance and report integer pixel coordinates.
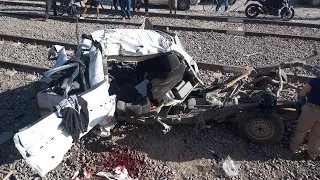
(135, 109)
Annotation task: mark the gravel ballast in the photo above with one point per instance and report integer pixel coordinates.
(25, 53)
(303, 12)
(183, 153)
(203, 46)
(262, 28)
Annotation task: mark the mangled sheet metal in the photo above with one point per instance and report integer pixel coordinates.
(44, 144)
(134, 45)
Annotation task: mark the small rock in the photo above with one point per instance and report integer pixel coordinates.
(10, 73)
(31, 77)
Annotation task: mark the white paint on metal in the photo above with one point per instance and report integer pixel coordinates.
(44, 144)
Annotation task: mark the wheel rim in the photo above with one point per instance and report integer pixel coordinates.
(252, 11)
(260, 129)
(287, 14)
(183, 4)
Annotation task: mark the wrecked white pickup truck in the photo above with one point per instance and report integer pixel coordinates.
(140, 76)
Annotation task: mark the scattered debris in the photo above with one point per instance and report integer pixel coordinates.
(8, 174)
(31, 77)
(10, 73)
(32, 47)
(16, 44)
(121, 173)
(253, 54)
(229, 167)
(81, 175)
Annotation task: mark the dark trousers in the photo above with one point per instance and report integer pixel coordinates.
(136, 4)
(125, 8)
(146, 4)
(51, 4)
(115, 4)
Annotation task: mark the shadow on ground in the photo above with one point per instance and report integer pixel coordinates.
(19, 108)
(184, 143)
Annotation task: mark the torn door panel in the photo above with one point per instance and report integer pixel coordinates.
(44, 144)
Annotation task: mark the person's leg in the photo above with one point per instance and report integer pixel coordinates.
(54, 6)
(129, 9)
(170, 6)
(98, 15)
(226, 5)
(175, 6)
(305, 123)
(115, 4)
(88, 4)
(134, 5)
(146, 5)
(85, 11)
(122, 6)
(314, 140)
(219, 5)
(48, 7)
(96, 4)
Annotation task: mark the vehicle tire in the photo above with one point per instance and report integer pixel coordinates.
(61, 10)
(231, 2)
(287, 14)
(252, 10)
(260, 128)
(183, 5)
(208, 5)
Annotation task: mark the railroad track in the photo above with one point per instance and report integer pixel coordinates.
(181, 28)
(181, 16)
(23, 67)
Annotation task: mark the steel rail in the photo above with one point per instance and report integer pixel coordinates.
(181, 28)
(36, 41)
(182, 16)
(22, 67)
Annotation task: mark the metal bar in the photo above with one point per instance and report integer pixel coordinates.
(246, 74)
(226, 68)
(302, 78)
(36, 41)
(22, 67)
(291, 64)
(182, 16)
(181, 28)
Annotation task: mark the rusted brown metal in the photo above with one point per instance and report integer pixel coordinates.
(271, 81)
(244, 75)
